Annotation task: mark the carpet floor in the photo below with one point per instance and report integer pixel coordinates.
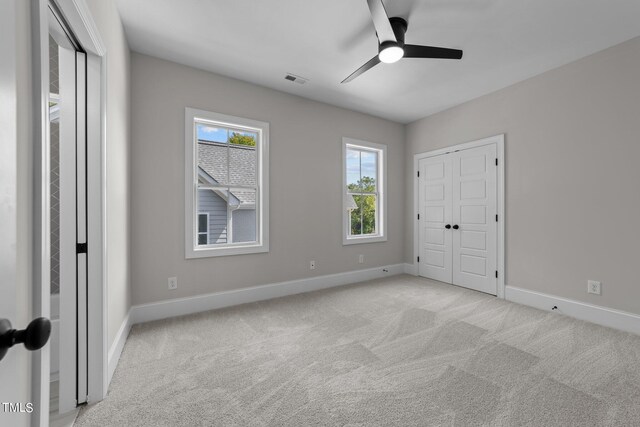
(400, 351)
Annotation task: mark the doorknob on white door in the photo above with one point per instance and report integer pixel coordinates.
(455, 227)
(34, 337)
(448, 226)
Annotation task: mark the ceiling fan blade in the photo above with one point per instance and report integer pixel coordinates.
(415, 51)
(366, 67)
(381, 21)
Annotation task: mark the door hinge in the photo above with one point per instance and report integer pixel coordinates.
(496, 218)
(496, 274)
(496, 161)
(418, 216)
(418, 259)
(418, 174)
(81, 248)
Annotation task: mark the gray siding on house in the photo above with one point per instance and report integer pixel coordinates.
(244, 225)
(216, 207)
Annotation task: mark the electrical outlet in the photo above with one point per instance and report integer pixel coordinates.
(360, 259)
(593, 287)
(312, 265)
(173, 283)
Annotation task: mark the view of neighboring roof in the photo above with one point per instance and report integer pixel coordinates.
(212, 159)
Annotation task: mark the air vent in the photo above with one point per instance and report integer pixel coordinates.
(296, 79)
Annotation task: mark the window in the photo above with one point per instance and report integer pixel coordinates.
(203, 228)
(226, 185)
(364, 204)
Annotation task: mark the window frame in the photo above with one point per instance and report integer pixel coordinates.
(261, 245)
(381, 207)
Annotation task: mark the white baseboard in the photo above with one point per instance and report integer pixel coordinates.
(411, 269)
(118, 344)
(611, 318)
(182, 306)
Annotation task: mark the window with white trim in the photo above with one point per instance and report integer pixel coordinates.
(226, 203)
(364, 184)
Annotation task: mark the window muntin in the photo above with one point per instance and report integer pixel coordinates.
(228, 166)
(363, 192)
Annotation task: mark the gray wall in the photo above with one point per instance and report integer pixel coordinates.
(305, 183)
(107, 19)
(572, 175)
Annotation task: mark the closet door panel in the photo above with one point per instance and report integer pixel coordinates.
(474, 208)
(435, 202)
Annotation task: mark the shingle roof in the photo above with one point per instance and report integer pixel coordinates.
(212, 158)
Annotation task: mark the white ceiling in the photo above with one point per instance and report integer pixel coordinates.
(504, 41)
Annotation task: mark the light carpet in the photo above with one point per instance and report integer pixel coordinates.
(402, 351)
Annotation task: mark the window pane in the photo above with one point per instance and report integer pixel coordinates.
(368, 207)
(239, 137)
(214, 202)
(202, 239)
(202, 223)
(243, 159)
(369, 171)
(356, 217)
(212, 163)
(353, 169)
(243, 215)
(211, 133)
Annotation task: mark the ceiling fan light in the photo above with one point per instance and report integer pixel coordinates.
(391, 54)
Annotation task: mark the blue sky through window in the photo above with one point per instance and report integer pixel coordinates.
(211, 133)
(353, 167)
(361, 164)
(219, 134)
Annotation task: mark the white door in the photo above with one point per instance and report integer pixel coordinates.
(458, 226)
(68, 100)
(14, 367)
(475, 229)
(436, 257)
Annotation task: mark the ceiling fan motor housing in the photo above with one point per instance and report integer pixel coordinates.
(399, 26)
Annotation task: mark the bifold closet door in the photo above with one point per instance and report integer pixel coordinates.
(435, 210)
(475, 233)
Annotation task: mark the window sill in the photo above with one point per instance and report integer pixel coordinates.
(361, 240)
(226, 251)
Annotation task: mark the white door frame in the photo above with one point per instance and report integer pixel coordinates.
(499, 141)
(77, 15)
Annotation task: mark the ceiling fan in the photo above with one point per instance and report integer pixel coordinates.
(391, 46)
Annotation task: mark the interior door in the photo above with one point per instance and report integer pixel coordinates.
(14, 368)
(435, 210)
(475, 228)
(69, 105)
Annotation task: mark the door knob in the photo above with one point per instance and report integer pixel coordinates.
(34, 337)
(455, 227)
(448, 226)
